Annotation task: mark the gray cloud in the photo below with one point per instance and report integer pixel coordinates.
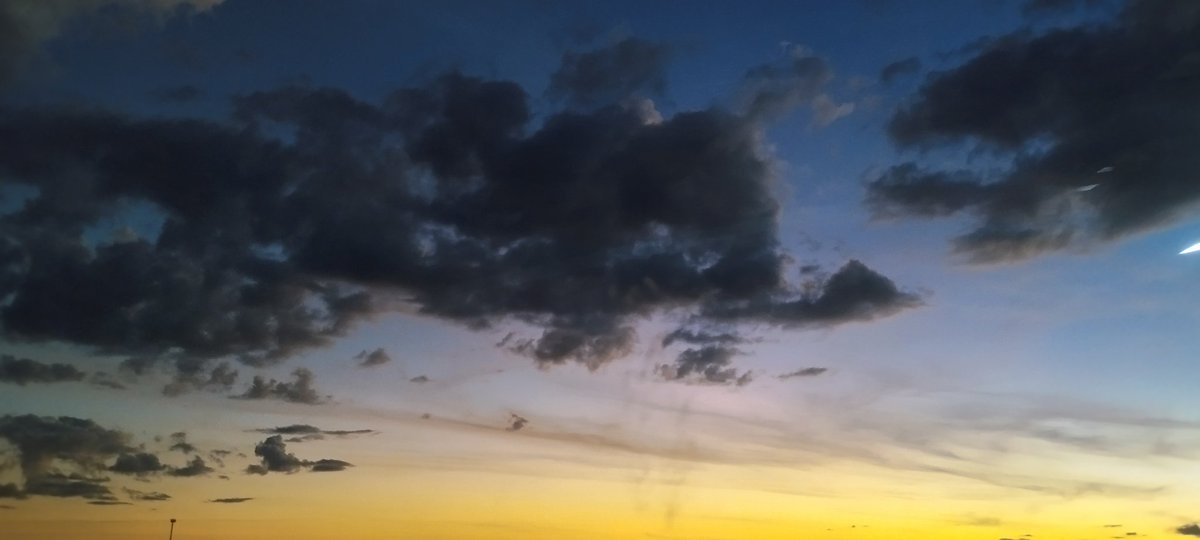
(329, 465)
(1043, 8)
(771, 90)
(805, 372)
(195, 467)
(305, 432)
(1095, 120)
(105, 380)
(178, 94)
(419, 379)
(852, 293)
(26, 25)
(702, 337)
(146, 495)
(298, 391)
(231, 500)
(516, 422)
(1190, 529)
(899, 68)
(275, 458)
(179, 442)
(139, 463)
(612, 73)
(23, 371)
(193, 375)
(11, 491)
(40, 441)
(373, 358)
(708, 364)
(69, 485)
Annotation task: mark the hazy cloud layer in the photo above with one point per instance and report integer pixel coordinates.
(23, 371)
(1097, 121)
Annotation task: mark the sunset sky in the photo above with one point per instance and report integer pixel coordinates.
(540, 270)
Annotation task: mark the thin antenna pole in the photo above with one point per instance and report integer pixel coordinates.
(172, 535)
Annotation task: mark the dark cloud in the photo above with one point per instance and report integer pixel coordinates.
(899, 68)
(708, 364)
(805, 372)
(329, 465)
(298, 391)
(178, 94)
(419, 379)
(139, 463)
(23, 371)
(1097, 123)
(1190, 529)
(516, 422)
(463, 208)
(146, 495)
(109, 503)
(275, 458)
(231, 500)
(627, 68)
(373, 358)
(195, 467)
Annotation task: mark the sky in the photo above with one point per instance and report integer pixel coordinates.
(608, 270)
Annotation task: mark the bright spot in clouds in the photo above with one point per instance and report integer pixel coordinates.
(1192, 249)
